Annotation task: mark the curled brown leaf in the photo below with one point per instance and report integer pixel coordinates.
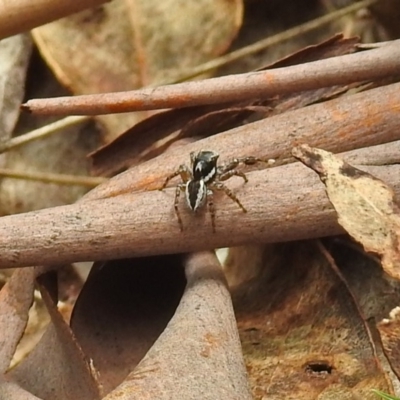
(198, 355)
(365, 205)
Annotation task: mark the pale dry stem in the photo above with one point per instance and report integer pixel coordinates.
(372, 64)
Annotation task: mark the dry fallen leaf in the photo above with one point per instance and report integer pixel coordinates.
(11, 391)
(38, 321)
(16, 297)
(59, 153)
(14, 58)
(122, 309)
(377, 293)
(55, 154)
(57, 368)
(302, 332)
(365, 205)
(198, 355)
(127, 44)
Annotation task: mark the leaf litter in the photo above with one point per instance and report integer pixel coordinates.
(325, 367)
(67, 360)
(302, 332)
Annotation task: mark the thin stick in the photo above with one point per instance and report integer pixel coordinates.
(367, 65)
(284, 203)
(41, 132)
(18, 16)
(47, 177)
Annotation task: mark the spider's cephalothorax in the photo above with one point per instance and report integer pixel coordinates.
(204, 171)
(204, 165)
(203, 178)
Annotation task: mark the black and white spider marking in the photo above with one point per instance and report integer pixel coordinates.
(205, 176)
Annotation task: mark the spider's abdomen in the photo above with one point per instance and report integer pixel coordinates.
(196, 193)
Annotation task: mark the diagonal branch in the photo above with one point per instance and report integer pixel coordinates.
(367, 65)
(285, 203)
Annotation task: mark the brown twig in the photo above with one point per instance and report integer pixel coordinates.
(41, 132)
(22, 15)
(361, 120)
(367, 65)
(285, 203)
(48, 177)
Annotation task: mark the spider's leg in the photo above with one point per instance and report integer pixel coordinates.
(229, 193)
(251, 160)
(228, 174)
(179, 188)
(192, 158)
(183, 171)
(232, 164)
(211, 208)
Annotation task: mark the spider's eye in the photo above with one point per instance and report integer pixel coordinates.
(196, 193)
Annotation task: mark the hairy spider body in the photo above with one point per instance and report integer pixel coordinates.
(205, 176)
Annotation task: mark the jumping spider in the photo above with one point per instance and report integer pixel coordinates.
(205, 176)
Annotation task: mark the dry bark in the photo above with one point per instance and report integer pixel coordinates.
(368, 65)
(22, 15)
(284, 203)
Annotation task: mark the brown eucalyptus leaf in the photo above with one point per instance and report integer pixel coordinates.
(198, 356)
(127, 44)
(332, 47)
(16, 297)
(11, 391)
(387, 12)
(63, 152)
(377, 293)
(14, 57)
(56, 368)
(254, 256)
(137, 142)
(122, 309)
(365, 205)
(302, 331)
(38, 321)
